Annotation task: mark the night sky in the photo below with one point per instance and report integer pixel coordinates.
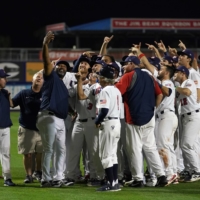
(23, 21)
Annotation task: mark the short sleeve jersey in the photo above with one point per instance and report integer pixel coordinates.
(29, 103)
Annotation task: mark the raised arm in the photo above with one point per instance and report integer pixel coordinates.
(103, 50)
(45, 53)
(80, 92)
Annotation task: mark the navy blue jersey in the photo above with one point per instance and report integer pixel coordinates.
(29, 103)
(55, 96)
(5, 120)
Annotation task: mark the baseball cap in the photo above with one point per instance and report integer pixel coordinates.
(187, 52)
(155, 62)
(183, 69)
(63, 62)
(86, 59)
(175, 59)
(3, 74)
(101, 62)
(133, 59)
(114, 65)
(107, 72)
(169, 59)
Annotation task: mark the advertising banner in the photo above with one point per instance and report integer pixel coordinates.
(182, 24)
(31, 69)
(16, 70)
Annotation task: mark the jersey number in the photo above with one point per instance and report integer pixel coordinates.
(184, 102)
(90, 105)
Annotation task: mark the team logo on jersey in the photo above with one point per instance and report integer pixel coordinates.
(196, 82)
(168, 85)
(189, 85)
(112, 127)
(103, 101)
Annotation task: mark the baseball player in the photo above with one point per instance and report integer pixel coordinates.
(5, 124)
(108, 122)
(83, 129)
(166, 123)
(190, 112)
(29, 139)
(53, 112)
(139, 90)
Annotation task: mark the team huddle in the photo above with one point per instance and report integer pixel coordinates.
(134, 122)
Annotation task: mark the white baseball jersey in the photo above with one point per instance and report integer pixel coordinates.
(93, 92)
(167, 102)
(69, 80)
(110, 97)
(189, 103)
(85, 108)
(195, 76)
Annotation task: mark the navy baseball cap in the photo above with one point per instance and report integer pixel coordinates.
(101, 62)
(183, 69)
(133, 59)
(114, 65)
(175, 59)
(169, 59)
(107, 72)
(155, 61)
(63, 62)
(86, 59)
(186, 52)
(3, 74)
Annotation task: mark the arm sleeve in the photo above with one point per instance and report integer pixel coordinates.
(124, 82)
(102, 115)
(17, 99)
(157, 88)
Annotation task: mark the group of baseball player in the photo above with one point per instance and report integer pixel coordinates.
(134, 123)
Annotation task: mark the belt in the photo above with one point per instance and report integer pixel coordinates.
(162, 112)
(51, 113)
(85, 120)
(190, 113)
(110, 118)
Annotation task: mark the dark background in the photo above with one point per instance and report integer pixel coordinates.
(22, 22)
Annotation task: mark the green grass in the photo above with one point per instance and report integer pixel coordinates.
(184, 191)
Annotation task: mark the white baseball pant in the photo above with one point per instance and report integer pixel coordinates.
(189, 135)
(5, 152)
(166, 126)
(141, 139)
(109, 135)
(52, 130)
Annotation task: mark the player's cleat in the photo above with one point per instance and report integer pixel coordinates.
(138, 184)
(175, 182)
(68, 182)
(94, 182)
(46, 184)
(9, 182)
(194, 177)
(127, 183)
(37, 175)
(184, 175)
(28, 179)
(109, 188)
(161, 181)
(172, 179)
(80, 179)
(57, 184)
(121, 183)
(151, 182)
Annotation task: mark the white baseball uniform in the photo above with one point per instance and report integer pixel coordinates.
(190, 123)
(166, 125)
(109, 133)
(83, 130)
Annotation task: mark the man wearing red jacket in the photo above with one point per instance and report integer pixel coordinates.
(141, 95)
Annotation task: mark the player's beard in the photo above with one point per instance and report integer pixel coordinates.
(61, 73)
